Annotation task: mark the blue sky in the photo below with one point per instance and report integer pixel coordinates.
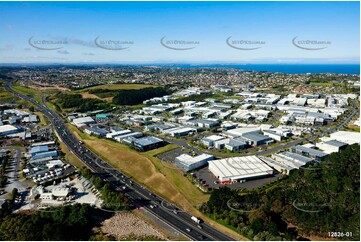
(206, 25)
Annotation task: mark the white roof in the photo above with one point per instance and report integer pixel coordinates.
(239, 167)
(309, 145)
(187, 159)
(346, 137)
(214, 137)
(60, 191)
(241, 131)
(83, 120)
(7, 128)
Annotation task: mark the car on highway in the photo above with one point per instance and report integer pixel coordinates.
(188, 230)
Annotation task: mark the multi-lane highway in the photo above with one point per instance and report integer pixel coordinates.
(168, 213)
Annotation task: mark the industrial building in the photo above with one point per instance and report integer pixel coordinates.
(83, 121)
(209, 141)
(204, 123)
(179, 131)
(41, 155)
(38, 149)
(120, 132)
(239, 168)
(8, 130)
(309, 152)
(346, 137)
(147, 143)
(274, 135)
(256, 139)
(331, 146)
(235, 144)
(30, 119)
(120, 138)
(291, 159)
(96, 131)
(280, 167)
(188, 163)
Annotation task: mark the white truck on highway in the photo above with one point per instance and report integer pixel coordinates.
(195, 219)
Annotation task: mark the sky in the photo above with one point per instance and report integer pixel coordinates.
(180, 32)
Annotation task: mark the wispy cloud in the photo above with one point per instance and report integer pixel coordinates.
(7, 48)
(76, 41)
(63, 52)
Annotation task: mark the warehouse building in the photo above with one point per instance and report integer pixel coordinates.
(120, 138)
(30, 119)
(309, 152)
(346, 137)
(291, 159)
(188, 163)
(47, 154)
(256, 139)
(235, 169)
(7, 129)
(331, 146)
(204, 123)
(115, 129)
(83, 121)
(96, 131)
(102, 115)
(180, 131)
(278, 166)
(147, 143)
(220, 144)
(112, 135)
(209, 141)
(235, 144)
(38, 149)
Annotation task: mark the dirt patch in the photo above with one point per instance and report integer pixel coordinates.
(43, 88)
(125, 225)
(89, 95)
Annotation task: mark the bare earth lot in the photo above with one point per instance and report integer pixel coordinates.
(123, 225)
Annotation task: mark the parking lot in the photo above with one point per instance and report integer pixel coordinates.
(170, 156)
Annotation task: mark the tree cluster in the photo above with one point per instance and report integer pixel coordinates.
(317, 200)
(81, 104)
(134, 97)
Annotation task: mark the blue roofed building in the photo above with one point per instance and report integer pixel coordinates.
(147, 143)
(38, 149)
(96, 131)
(255, 138)
(45, 155)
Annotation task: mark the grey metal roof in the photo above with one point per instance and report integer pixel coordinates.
(97, 130)
(310, 151)
(297, 156)
(255, 136)
(335, 143)
(236, 142)
(148, 141)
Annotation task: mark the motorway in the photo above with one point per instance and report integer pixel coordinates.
(138, 194)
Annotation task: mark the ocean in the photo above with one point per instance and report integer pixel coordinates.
(284, 68)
